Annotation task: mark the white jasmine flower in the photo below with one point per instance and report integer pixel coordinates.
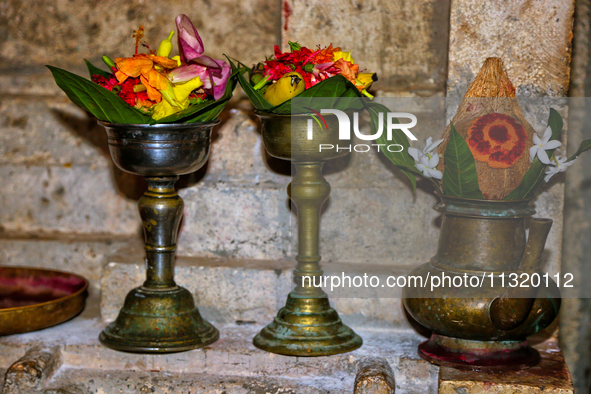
(542, 145)
(425, 160)
(560, 165)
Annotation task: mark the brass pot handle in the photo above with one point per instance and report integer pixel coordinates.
(513, 307)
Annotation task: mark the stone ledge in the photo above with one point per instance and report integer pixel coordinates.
(244, 290)
(550, 376)
(231, 359)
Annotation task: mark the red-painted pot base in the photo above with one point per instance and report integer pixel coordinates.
(478, 355)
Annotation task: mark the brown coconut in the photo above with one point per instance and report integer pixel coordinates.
(493, 83)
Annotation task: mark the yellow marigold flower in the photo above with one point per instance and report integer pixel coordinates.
(343, 55)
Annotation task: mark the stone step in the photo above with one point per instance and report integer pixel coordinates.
(232, 362)
(130, 382)
(235, 291)
(80, 254)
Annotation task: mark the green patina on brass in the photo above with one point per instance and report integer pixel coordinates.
(159, 316)
(307, 325)
(484, 326)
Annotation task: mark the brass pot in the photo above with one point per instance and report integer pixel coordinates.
(484, 325)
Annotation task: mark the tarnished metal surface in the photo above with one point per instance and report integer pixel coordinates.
(35, 298)
(159, 317)
(307, 325)
(480, 237)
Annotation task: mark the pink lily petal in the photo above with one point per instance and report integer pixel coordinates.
(220, 80)
(206, 61)
(190, 44)
(214, 81)
(187, 72)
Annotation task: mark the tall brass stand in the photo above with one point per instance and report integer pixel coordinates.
(307, 325)
(159, 316)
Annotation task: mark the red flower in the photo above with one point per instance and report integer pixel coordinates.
(104, 82)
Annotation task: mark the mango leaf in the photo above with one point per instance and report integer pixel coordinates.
(202, 112)
(401, 159)
(257, 99)
(585, 146)
(460, 178)
(102, 103)
(92, 70)
(535, 175)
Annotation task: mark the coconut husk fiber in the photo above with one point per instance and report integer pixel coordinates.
(492, 93)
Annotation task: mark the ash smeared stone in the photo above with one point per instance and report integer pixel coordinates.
(374, 376)
(27, 375)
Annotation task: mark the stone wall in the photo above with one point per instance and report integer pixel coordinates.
(59, 180)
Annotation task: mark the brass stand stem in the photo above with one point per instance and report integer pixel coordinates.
(309, 190)
(161, 210)
(159, 316)
(307, 325)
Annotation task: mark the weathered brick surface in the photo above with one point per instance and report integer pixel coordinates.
(63, 33)
(405, 42)
(77, 199)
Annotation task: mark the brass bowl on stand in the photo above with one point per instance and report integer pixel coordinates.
(159, 316)
(307, 325)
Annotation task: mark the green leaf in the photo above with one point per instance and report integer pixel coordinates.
(332, 91)
(102, 103)
(401, 159)
(202, 112)
(294, 46)
(92, 70)
(460, 178)
(535, 175)
(257, 99)
(585, 146)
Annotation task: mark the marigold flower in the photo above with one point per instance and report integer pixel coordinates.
(142, 66)
(496, 139)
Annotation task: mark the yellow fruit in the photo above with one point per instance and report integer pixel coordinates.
(365, 79)
(286, 87)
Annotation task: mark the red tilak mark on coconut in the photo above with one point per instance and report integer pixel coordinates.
(496, 139)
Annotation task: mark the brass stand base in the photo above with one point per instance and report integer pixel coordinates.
(478, 355)
(307, 327)
(158, 321)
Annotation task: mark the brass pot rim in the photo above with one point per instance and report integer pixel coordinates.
(482, 200)
(483, 208)
(160, 126)
(45, 270)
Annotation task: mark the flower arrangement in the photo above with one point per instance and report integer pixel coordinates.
(302, 72)
(489, 150)
(153, 87)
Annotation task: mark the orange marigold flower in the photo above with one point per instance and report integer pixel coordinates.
(325, 55)
(348, 69)
(496, 139)
(142, 66)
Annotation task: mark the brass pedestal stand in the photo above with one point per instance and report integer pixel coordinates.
(307, 325)
(159, 316)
